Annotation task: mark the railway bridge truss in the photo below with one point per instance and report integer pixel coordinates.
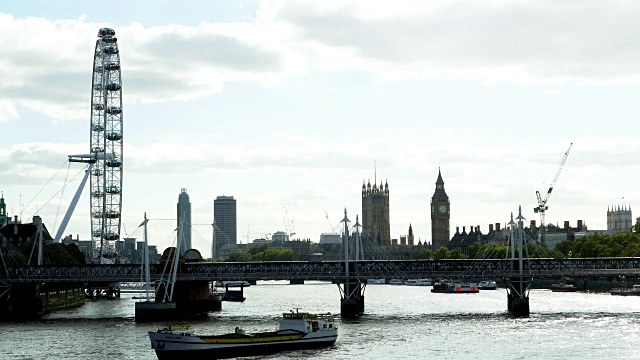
(329, 270)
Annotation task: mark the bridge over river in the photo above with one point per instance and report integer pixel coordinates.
(330, 270)
(24, 280)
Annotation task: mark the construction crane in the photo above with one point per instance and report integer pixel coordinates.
(542, 204)
(330, 225)
(289, 227)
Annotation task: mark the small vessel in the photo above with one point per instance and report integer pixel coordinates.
(236, 283)
(563, 287)
(234, 294)
(376, 281)
(455, 288)
(419, 282)
(625, 291)
(296, 330)
(487, 285)
(396, 282)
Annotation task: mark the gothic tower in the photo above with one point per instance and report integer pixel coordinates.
(410, 237)
(440, 216)
(375, 212)
(619, 218)
(3, 211)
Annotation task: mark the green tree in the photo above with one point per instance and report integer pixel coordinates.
(635, 229)
(455, 254)
(258, 249)
(473, 250)
(239, 257)
(565, 247)
(424, 254)
(441, 253)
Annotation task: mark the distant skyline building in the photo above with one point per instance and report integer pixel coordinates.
(375, 212)
(619, 218)
(440, 216)
(225, 223)
(3, 211)
(184, 208)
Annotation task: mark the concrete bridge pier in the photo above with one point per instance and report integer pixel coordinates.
(352, 298)
(21, 301)
(518, 295)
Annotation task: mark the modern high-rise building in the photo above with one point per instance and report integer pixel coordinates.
(375, 212)
(184, 210)
(225, 222)
(440, 216)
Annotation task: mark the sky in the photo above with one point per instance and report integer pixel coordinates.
(287, 106)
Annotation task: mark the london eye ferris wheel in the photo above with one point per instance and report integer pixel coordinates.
(106, 137)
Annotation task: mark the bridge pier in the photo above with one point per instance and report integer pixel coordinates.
(21, 301)
(518, 295)
(352, 298)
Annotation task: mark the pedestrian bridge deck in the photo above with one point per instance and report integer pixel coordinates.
(329, 270)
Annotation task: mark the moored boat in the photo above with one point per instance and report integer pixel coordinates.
(487, 285)
(296, 330)
(396, 282)
(455, 288)
(563, 287)
(376, 281)
(625, 291)
(419, 282)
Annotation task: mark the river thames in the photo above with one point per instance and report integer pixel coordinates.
(400, 322)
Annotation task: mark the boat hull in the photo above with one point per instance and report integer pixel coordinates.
(564, 289)
(171, 346)
(625, 292)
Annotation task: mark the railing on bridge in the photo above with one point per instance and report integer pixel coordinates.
(328, 270)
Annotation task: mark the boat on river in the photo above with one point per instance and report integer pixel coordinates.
(625, 291)
(487, 285)
(563, 287)
(296, 330)
(419, 282)
(455, 288)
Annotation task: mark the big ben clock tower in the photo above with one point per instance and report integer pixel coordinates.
(440, 216)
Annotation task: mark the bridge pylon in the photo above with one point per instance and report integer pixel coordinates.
(518, 295)
(518, 285)
(352, 298)
(352, 290)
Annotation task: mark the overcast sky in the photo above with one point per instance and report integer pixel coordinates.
(286, 105)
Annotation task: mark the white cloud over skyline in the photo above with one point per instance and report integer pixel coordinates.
(290, 107)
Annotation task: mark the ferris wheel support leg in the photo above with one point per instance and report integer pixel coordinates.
(72, 206)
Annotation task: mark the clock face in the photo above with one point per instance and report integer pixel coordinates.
(443, 208)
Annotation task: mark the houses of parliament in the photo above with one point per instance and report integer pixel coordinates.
(376, 225)
(376, 221)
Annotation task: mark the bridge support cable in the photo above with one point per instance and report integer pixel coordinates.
(74, 201)
(518, 284)
(352, 292)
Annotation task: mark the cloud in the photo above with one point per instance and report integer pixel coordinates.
(7, 111)
(540, 42)
(45, 65)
